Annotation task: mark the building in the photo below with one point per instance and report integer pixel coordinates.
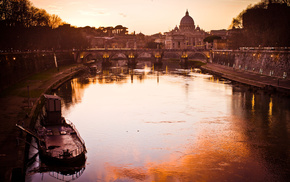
(187, 36)
(267, 27)
(223, 33)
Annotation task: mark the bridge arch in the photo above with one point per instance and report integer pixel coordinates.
(145, 55)
(170, 54)
(87, 58)
(91, 56)
(87, 55)
(198, 55)
(118, 55)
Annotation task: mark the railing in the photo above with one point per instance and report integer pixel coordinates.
(265, 48)
(196, 48)
(77, 133)
(62, 154)
(67, 177)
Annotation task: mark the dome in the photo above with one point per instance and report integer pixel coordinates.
(186, 23)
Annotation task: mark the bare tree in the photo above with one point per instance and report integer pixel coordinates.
(55, 21)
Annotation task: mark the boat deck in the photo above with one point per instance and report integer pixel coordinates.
(60, 139)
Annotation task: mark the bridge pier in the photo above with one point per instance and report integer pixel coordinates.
(132, 62)
(158, 59)
(78, 57)
(106, 60)
(210, 57)
(184, 60)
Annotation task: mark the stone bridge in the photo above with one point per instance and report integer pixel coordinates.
(102, 54)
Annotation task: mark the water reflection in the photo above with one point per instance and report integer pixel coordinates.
(40, 171)
(270, 108)
(253, 103)
(266, 126)
(177, 125)
(49, 173)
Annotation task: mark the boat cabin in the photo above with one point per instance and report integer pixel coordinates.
(52, 109)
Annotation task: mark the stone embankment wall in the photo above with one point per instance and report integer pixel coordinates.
(267, 62)
(16, 66)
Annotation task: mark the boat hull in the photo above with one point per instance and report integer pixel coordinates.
(54, 161)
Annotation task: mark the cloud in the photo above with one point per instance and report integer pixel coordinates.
(88, 13)
(123, 15)
(74, 2)
(94, 12)
(54, 9)
(99, 11)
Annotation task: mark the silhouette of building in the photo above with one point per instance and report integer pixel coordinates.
(270, 26)
(187, 36)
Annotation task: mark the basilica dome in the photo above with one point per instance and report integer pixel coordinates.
(186, 23)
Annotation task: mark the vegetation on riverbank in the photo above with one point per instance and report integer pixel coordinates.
(20, 89)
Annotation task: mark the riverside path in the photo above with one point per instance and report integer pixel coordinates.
(249, 78)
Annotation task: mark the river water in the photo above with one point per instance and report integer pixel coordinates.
(178, 125)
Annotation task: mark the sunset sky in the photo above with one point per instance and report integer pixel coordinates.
(146, 16)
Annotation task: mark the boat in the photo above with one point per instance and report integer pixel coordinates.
(59, 142)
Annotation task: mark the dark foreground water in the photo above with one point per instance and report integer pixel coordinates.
(153, 126)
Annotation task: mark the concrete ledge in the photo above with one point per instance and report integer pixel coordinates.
(248, 78)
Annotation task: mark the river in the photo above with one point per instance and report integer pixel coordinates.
(174, 125)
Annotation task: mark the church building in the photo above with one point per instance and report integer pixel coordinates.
(187, 36)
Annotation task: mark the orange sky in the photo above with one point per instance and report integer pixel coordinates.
(146, 16)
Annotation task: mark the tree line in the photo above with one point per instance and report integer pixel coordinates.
(25, 27)
(23, 13)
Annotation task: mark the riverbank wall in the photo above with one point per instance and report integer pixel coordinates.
(16, 66)
(274, 63)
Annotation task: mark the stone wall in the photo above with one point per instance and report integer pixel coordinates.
(267, 62)
(16, 66)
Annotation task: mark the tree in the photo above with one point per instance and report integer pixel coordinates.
(25, 27)
(279, 1)
(264, 24)
(151, 45)
(55, 21)
(38, 17)
(238, 21)
(14, 12)
(22, 13)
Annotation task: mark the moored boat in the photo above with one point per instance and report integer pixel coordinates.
(58, 140)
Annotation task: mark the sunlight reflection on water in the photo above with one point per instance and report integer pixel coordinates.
(170, 128)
